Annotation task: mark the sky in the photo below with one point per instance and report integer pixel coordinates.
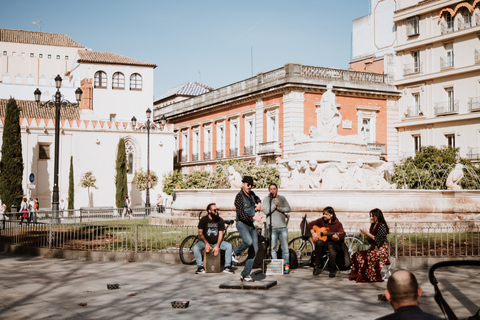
(214, 42)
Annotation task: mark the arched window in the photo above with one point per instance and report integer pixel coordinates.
(100, 79)
(135, 82)
(118, 81)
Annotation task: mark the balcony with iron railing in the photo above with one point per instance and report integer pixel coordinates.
(207, 155)
(219, 154)
(446, 107)
(195, 157)
(184, 158)
(269, 148)
(474, 104)
(473, 154)
(233, 152)
(412, 68)
(248, 150)
(446, 62)
(413, 111)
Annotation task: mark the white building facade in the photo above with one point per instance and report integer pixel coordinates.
(115, 87)
(438, 73)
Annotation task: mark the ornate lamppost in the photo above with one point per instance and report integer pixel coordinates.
(57, 101)
(147, 126)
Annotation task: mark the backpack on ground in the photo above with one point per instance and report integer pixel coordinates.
(292, 257)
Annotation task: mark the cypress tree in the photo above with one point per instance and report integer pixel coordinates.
(121, 176)
(71, 194)
(11, 164)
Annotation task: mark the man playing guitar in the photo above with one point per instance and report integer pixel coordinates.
(327, 234)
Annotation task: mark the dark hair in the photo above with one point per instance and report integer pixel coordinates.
(210, 205)
(332, 212)
(403, 289)
(379, 214)
(273, 184)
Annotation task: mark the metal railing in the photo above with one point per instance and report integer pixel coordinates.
(473, 154)
(474, 104)
(207, 155)
(446, 62)
(233, 152)
(219, 154)
(248, 150)
(412, 68)
(413, 111)
(195, 157)
(422, 239)
(446, 107)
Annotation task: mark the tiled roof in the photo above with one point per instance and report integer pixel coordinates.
(40, 38)
(88, 56)
(186, 89)
(29, 109)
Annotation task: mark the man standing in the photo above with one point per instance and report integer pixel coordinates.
(210, 231)
(403, 293)
(275, 208)
(246, 203)
(127, 207)
(332, 242)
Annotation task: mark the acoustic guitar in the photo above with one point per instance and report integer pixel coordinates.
(323, 233)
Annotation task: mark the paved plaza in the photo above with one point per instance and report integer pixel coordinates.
(40, 288)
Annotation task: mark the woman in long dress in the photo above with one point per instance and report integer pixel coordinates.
(367, 264)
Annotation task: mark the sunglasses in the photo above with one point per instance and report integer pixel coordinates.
(214, 210)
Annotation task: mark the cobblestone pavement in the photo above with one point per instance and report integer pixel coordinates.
(39, 288)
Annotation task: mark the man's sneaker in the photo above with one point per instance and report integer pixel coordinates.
(234, 257)
(200, 270)
(228, 270)
(246, 278)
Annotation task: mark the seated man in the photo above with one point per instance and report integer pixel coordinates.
(331, 242)
(210, 232)
(403, 293)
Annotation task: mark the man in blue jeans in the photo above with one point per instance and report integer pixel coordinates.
(210, 231)
(246, 203)
(275, 208)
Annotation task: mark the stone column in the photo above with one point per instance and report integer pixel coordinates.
(293, 119)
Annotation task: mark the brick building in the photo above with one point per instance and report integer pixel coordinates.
(256, 119)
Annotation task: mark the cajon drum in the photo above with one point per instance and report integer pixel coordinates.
(212, 263)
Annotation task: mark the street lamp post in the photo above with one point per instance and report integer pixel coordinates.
(147, 126)
(57, 101)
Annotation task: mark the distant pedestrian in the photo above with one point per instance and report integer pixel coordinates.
(127, 207)
(61, 208)
(403, 293)
(31, 211)
(3, 208)
(24, 211)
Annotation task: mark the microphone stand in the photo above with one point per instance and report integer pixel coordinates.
(270, 226)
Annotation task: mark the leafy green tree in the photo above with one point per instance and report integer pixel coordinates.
(121, 176)
(430, 168)
(172, 181)
(140, 180)
(196, 180)
(11, 164)
(71, 193)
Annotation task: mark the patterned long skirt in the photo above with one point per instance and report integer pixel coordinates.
(367, 264)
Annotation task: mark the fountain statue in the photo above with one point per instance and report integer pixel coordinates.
(234, 178)
(455, 177)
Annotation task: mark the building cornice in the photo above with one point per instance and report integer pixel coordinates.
(440, 119)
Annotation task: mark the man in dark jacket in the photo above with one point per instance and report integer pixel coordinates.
(332, 242)
(246, 204)
(403, 293)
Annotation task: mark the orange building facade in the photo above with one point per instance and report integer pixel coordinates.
(257, 119)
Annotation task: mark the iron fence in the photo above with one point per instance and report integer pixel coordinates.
(424, 239)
